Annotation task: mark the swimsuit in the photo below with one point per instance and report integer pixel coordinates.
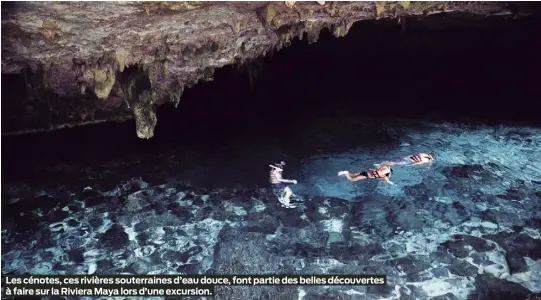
(281, 185)
(374, 174)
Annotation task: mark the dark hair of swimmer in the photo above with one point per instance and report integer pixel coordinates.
(432, 154)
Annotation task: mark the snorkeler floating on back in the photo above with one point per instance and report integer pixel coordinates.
(417, 159)
(384, 170)
(381, 173)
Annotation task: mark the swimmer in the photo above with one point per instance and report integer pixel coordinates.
(417, 159)
(281, 189)
(381, 173)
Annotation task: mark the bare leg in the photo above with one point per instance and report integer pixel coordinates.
(286, 197)
(355, 177)
(287, 194)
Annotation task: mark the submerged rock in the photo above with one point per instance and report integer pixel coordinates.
(327, 295)
(490, 288)
(115, 237)
(517, 246)
(323, 208)
(410, 265)
(479, 244)
(464, 171)
(534, 223)
(301, 242)
(457, 248)
(534, 296)
(255, 259)
(262, 223)
(183, 213)
(448, 296)
(463, 268)
(514, 194)
(76, 255)
(188, 268)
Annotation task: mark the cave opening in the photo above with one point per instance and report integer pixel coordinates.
(436, 67)
(481, 73)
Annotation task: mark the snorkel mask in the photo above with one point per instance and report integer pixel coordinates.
(278, 166)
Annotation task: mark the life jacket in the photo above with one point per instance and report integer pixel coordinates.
(376, 174)
(416, 158)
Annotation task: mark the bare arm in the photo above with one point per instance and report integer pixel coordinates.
(353, 179)
(388, 180)
(421, 163)
(289, 181)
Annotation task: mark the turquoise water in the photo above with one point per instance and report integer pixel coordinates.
(466, 227)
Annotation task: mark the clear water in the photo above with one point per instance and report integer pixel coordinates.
(467, 226)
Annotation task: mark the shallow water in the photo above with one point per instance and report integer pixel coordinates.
(468, 226)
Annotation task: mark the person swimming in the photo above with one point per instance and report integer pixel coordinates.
(281, 189)
(417, 159)
(381, 173)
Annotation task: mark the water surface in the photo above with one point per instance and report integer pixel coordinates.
(466, 227)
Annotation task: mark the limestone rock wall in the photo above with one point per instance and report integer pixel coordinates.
(89, 62)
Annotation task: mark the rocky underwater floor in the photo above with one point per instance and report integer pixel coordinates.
(466, 227)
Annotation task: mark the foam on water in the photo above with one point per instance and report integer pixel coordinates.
(396, 294)
(532, 278)
(238, 210)
(302, 293)
(460, 287)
